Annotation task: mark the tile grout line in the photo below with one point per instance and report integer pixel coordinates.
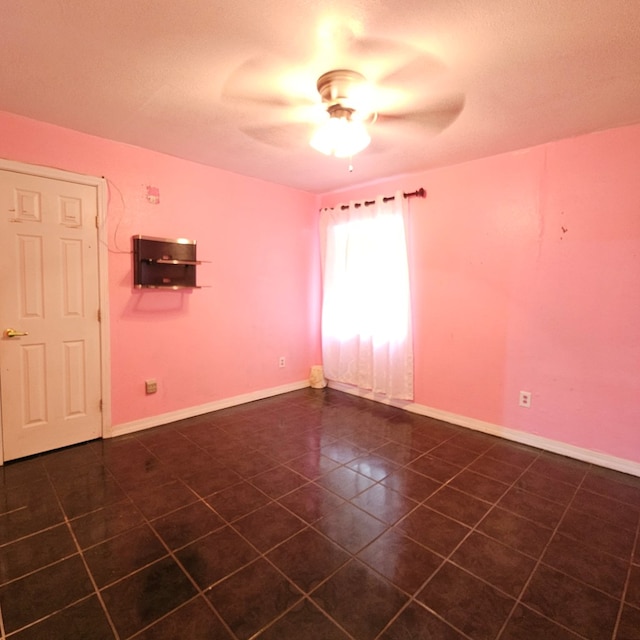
(261, 555)
(200, 593)
(354, 556)
(447, 558)
(623, 597)
(474, 529)
(388, 527)
(76, 541)
(86, 566)
(306, 595)
(342, 464)
(37, 621)
(358, 425)
(84, 562)
(518, 600)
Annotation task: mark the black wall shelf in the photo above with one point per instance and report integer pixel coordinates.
(164, 263)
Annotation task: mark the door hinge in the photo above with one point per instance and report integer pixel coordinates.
(97, 222)
(100, 404)
(99, 315)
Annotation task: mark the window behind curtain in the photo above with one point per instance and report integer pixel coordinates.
(366, 313)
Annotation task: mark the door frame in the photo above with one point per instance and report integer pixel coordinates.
(103, 284)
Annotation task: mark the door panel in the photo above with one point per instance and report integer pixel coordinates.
(34, 384)
(50, 378)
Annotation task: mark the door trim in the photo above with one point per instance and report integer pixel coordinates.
(103, 263)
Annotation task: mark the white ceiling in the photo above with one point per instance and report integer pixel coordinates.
(229, 83)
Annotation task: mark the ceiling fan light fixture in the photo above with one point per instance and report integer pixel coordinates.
(340, 135)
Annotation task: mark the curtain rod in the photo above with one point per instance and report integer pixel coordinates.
(418, 193)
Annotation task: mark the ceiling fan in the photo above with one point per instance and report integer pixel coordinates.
(373, 87)
(343, 133)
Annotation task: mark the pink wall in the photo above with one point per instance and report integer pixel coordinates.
(526, 276)
(524, 271)
(207, 344)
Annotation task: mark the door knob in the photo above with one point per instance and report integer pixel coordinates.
(12, 333)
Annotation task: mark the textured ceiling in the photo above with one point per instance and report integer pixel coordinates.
(232, 83)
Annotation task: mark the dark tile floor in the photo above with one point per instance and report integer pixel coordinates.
(316, 515)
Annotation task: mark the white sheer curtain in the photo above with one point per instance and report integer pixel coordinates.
(366, 311)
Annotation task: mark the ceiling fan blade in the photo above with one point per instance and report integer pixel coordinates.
(372, 57)
(420, 70)
(278, 101)
(370, 46)
(268, 81)
(290, 136)
(340, 47)
(435, 118)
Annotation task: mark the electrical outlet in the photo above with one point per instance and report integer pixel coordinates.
(525, 399)
(281, 362)
(150, 386)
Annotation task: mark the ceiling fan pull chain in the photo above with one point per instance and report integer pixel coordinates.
(350, 164)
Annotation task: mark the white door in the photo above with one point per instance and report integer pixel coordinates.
(50, 369)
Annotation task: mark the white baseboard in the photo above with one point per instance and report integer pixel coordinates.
(190, 412)
(530, 439)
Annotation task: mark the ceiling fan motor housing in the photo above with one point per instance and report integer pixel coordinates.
(335, 86)
(338, 111)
